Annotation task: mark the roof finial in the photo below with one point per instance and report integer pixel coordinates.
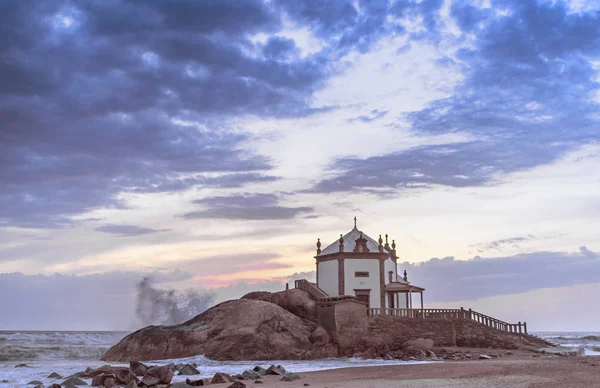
(354, 222)
(318, 246)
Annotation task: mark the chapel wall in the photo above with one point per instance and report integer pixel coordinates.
(327, 277)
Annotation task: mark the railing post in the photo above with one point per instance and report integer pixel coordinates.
(519, 327)
(525, 327)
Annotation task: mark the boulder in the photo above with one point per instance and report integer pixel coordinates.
(109, 382)
(320, 336)
(290, 377)
(73, 381)
(430, 353)
(21, 366)
(243, 329)
(54, 375)
(35, 382)
(164, 374)
(415, 353)
(149, 381)
(198, 383)
(296, 301)
(276, 370)
(260, 370)
(484, 357)
(250, 375)
(419, 343)
(188, 370)
(137, 368)
(221, 378)
(54, 386)
(132, 384)
(237, 384)
(99, 380)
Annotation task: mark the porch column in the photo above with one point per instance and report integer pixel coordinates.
(421, 300)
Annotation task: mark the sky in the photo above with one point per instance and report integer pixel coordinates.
(208, 144)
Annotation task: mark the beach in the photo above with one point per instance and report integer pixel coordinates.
(70, 352)
(517, 371)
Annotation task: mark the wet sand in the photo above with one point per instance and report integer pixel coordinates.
(518, 370)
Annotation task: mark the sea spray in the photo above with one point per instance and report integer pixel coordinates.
(168, 307)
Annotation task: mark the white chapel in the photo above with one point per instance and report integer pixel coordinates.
(357, 265)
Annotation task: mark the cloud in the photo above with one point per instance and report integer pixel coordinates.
(128, 230)
(94, 105)
(529, 74)
(449, 279)
(500, 245)
(245, 207)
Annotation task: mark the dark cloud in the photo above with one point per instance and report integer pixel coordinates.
(245, 207)
(128, 230)
(99, 98)
(449, 279)
(456, 165)
(527, 96)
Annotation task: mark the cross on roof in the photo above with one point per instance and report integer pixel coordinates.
(355, 222)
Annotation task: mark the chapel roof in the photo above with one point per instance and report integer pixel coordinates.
(349, 243)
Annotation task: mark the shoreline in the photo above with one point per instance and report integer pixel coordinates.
(520, 371)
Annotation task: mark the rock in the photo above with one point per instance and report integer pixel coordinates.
(222, 378)
(35, 382)
(188, 370)
(21, 366)
(237, 384)
(320, 336)
(98, 380)
(110, 382)
(54, 375)
(73, 381)
(306, 384)
(430, 353)
(179, 366)
(415, 353)
(132, 384)
(260, 370)
(39, 386)
(149, 381)
(243, 329)
(250, 375)
(198, 383)
(137, 368)
(54, 386)
(276, 370)
(484, 357)
(164, 374)
(419, 343)
(290, 377)
(508, 353)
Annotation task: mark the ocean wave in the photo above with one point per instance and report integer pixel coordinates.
(591, 338)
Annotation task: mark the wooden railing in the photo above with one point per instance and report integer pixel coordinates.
(312, 289)
(520, 328)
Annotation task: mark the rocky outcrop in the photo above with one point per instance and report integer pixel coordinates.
(243, 329)
(296, 301)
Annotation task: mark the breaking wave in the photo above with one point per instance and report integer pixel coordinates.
(24, 346)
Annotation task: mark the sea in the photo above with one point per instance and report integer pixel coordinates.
(68, 352)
